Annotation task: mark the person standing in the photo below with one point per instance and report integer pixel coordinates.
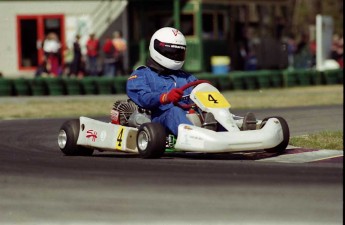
(109, 57)
(121, 47)
(291, 50)
(51, 48)
(67, 54)
(337, 49)
(92, 47)
(76, 65)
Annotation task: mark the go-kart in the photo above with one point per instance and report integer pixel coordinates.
(215, 129)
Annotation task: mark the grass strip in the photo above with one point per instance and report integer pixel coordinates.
(71, 106)
(322, 140)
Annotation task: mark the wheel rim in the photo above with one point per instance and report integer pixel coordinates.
(143, 141)
(62, 139)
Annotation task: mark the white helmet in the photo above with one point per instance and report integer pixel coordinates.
(168, 48)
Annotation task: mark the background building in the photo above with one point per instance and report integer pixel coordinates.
(243, 30)
(25, 24)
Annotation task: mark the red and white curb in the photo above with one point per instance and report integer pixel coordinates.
(300, 155)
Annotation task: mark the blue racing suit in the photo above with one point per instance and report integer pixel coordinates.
(145, 87)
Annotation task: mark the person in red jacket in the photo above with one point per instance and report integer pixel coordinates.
(121, 47)
(92, 47)
(109, 57)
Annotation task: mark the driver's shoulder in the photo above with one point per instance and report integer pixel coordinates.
(141, 67)
(143, 72)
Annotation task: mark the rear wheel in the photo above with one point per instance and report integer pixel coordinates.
(68, 137)
(151, 140)
(280, 148)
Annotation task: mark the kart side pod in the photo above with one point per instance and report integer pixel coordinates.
(196, 139)
(106, 136)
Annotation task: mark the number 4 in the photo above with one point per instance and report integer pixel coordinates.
(211, 99)
(119, 139)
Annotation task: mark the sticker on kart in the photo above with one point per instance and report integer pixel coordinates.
(212, 99)
(92, 135)
(119, 138)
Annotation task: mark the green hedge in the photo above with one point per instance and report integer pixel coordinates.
(120, 85)
(38, 86)
(332, 76)
(6, 87)
(21, 87)
(72, 86)
(55, 86)
(301, 77)
(235, 80)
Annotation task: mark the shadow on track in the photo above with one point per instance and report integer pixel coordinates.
(203, 156)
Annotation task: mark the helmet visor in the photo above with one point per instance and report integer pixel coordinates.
(172, 51)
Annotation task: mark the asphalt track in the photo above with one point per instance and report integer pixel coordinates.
(39, 185)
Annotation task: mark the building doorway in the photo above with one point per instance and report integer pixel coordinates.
(32, 30)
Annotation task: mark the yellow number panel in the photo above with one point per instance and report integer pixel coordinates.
(119, 138)
(212, 99)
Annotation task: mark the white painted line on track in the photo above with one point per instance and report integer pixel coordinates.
(305, 157)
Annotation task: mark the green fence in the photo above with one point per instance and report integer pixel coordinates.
(301, 77)
(5, 87)
(332, 77)
(235, 80)
(21, 87)
(72, 86)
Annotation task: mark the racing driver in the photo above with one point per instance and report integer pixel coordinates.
(156, 85)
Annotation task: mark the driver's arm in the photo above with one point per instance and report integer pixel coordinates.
(191, 78)
(139, 90)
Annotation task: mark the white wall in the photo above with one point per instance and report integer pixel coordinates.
(8, 30)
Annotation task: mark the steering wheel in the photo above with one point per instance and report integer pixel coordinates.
(184, 87)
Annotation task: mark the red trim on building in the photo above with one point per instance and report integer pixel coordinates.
(40, 35)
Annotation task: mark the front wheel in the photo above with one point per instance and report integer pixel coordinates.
(151, 140)
(280, 148)
(68, 137)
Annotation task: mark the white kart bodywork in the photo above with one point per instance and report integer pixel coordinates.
(112, 137)
(197, 139)
(106, 136)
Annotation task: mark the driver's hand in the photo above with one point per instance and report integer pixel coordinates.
(172, 96)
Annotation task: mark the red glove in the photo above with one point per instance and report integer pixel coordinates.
(172, 96)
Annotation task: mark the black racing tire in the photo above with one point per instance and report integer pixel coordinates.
(68, 137)
(280, 148)
(151, 140)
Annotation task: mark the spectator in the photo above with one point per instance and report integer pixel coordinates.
(42, 69)
(337, 50)
(243, 49)
(302, 44)
(340, 52)
(92, 47)
(303, 57)
(291, 48)
(312, 49)
(76, 65)
(51, 48)
(109, 57)
(68, 59)
(121, 47)
(251, 61)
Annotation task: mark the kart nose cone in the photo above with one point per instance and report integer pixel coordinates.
(62, 139)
